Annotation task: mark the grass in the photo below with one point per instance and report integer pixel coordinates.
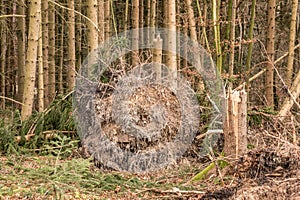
(46, 177)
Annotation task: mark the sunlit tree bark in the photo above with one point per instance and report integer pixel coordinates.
(289, 73)
(41, 76)
(92, 30)
(171, 41)
(31, 57)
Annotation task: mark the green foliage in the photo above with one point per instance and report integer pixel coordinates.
(58, 117)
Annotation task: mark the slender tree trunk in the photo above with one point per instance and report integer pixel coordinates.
(107, 18)
(147, 22)
(135, 32)
(21, 26)
(78, 33)
(270, 52)
(61, 56)
(192, 24)
(14, 57)
(31, 56)
(126, 15)
(215, 13)
(71, 46)
(3, 34)
(157, 56)
(41, 75)
(45, 48)
(101, 20)
(232, 38)
(141, 21)
(250, 47)
(171, 41)
(92, 30)
(51, 80)
(152, 19)
(289, 73)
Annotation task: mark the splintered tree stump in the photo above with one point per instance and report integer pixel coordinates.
(235, 129)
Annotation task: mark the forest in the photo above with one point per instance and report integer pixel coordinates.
(149, 99)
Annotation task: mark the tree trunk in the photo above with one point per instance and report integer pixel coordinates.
(92, 30)
(45, 50)
(52, 56)
(3, 63)
(101, 20)
(235, 129)
(171, 42)
(21, 27)
(78, 33)
(270, 52)
(31, 56)
(41, 75)
(289, 73)
(192, 24)
(216, 23)
(232, 39)
(152, 19)
(61, 55)
(71, 46)
(135, 32)
(250, 47)
(107, 18)
(157, 56)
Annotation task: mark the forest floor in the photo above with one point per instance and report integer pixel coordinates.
(266, 172)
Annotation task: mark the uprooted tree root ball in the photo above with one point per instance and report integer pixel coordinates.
(143, 103)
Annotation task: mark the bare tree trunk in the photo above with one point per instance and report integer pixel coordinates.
(235, 129)
(192, 24)
(52, 37)
(21, 26)
(232, 39)
(248, 61)
(101, 21)
(215, 13)
(107, 18)
(3, 34)
(157, 56)
(289, 73)
(78, 33)
(152, 19)
(45, 50)
(61, 56)
(41, 75)
(147, 22)
(92, 30)
(31, 56)
(141, 20)
(14, 58)
(71, 47)
(135, 32)
(270, 52)
(171, 42)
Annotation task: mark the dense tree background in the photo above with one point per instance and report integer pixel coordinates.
(44, 42)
